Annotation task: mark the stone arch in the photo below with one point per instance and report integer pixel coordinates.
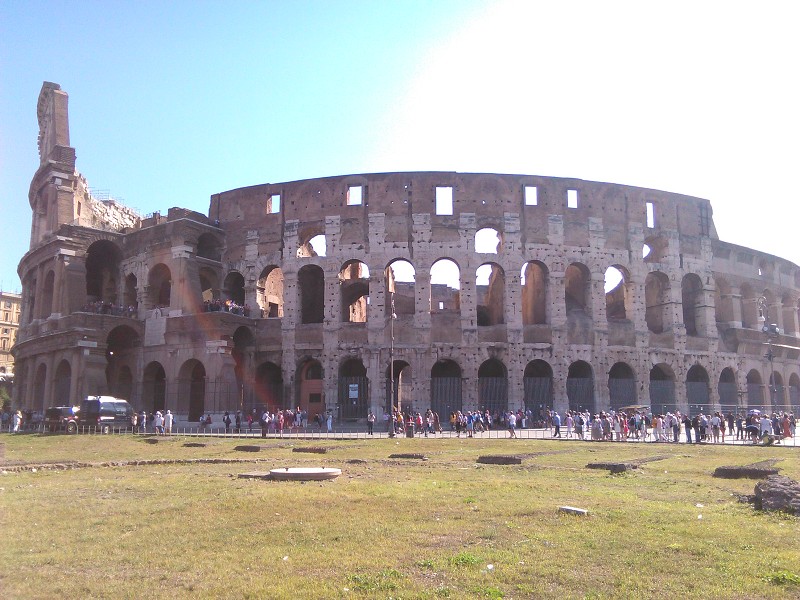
(657, 302)
(39, 383)
(662, 388)
(400, 288)
(354, 289)
(697, 390)
(403, 398)
(577, 288)
(209, 246)
(233, 287)
(122, 345)
(749, 307)
(312, 242)
(580, 386)
(655, 249)
(310, 388)
(311, 288)
(159, 281)
(192, 386)
(268, 386)
(48, 294)
(794, 393)
(102, 271)
(488, 241)
(537, 384)
(62, 384)
(269, 292)
(490, 289)
(446, 388)
(622, 385)
(755, 389)
(692, 302)
(535, 281)
(618, 293)
(727, 388)
(353, 389)
(493, 387)
(789, 314)
(154, 389)
(445, 286)
(131, 291)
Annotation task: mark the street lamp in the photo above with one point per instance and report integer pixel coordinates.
(391, 366)
(772, 331)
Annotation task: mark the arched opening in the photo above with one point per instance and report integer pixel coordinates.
(47, 295)
(403, 399)
(445, 286)
(692, 300)
(62, 384)
(242, 354)
(122, 344)
(697, 390)
(233, 288)
(534, 293)
(209, 286)
(490, 289)
(777, 391)
(728, 390)
(160, 283)
(353, 390)
(794, 393)
(269, 292)
(102, 272)
(538, 387)
(208, 246)
(310, 393)
(124, 383)
(723, 302)
(618, 296)
(662, 388)
(577, 288)
(446, 388)
(789, 313)
(354, 286)
(154, 389)
(269, 390)
(749, 307)
(39, 381)
(311, 283)
(493, 387)
(312, 243)
(580, 386)
(655, 249)
(755, 389)
(400, 288)
(622, 386)
(488, 241)
(192, 383)
(657, 302)
(131, 298)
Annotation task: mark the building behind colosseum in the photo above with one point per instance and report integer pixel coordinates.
(283, 295)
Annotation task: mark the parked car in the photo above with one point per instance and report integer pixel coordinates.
(105, 414)
(61, 418)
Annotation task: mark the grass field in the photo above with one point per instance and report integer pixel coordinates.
(445, 527)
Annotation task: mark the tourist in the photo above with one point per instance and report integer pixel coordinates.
(512, 424)
(556, 424)
(264, 422)
(17, 422)
(158, 423)
(169, 420)
(370, 422)
(329, 423)
(715, 424)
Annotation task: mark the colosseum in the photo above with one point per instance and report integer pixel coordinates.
(447, 290)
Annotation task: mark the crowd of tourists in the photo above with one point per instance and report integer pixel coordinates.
(669, 427)
(228, 306)
(107, 308)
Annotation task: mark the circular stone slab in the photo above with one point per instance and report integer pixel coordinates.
(304, 473)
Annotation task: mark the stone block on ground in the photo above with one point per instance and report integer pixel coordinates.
(574, 511)
(745, 472)
(248, 448)
(409, 455)
(778, 492)
(499, 460)
(614, 467)
(314, 450)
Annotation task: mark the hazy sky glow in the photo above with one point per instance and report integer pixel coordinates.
(171, 102)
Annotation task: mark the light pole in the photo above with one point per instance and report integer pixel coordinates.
(391, 365)
(772, 331)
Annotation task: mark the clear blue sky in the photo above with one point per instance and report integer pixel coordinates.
(171, 102)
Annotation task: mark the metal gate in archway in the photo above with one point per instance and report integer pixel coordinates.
(580, 393)
(493, 395)
(353, 397)
(538, 393)
(445, 396)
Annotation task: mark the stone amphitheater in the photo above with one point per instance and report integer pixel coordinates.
(448, 290)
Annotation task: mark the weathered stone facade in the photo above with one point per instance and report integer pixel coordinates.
(524, 320)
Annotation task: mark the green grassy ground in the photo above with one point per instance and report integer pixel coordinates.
(387, 528)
